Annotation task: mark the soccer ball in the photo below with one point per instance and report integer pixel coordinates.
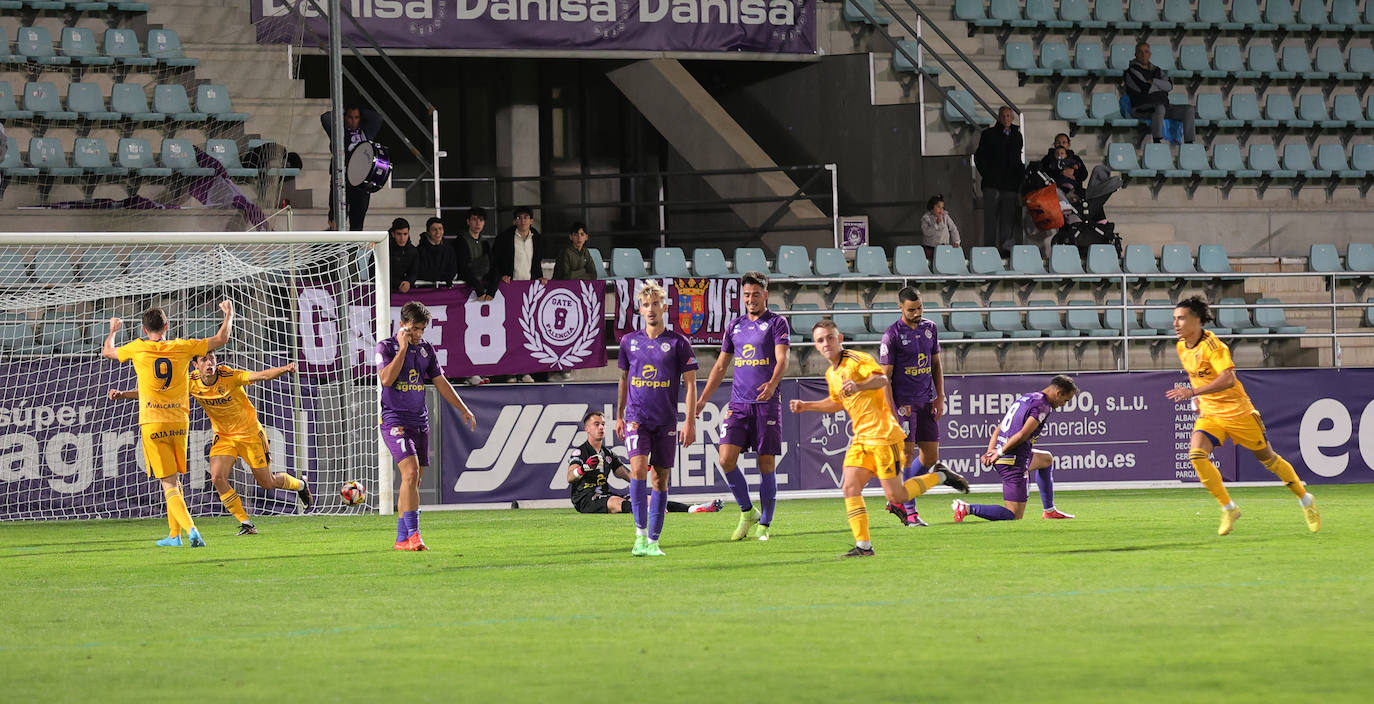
(353, 493)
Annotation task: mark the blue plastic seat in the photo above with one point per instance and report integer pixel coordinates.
(598, 264)
(802, 324)
(1121, 157)
(1180, 12)
(1330, 60)
(910, 260)
(1112, 321)
(213, 100)
(1019, 57)
(970, 11)
(170, 99)
(1146, 12)
(1047, 322)
(870, 260)
(93, 157)
(1025, 259)
(1009, 322)
(1211, 110)
(1298, 158)
(165, 46)
(1227, 158)
(1054, 60)
(14, 271)
(1359, 256)
(1247, 14)
(709, 262)
(1158, 316)
(88, 100)
(35, 44)
(1346, 14)
(1007, 13)
(830, 262)
(60, 336)
(964, 99)
(9, 110)
(1195, 60)
(1279, 108)
(1362, 157)
(1324, 258)
(1042, 13)
(1193, 159)
(1102, 259)
(1346, 108)
(949, 261)
(970, 323)
(1331, 157)
(1140, 259)
(1069, 107)
(1237, 319)
(1103, 110)
(1313, 14)
(46, 155)
(226, 152)
(1160, 158)
(1227, 60)
(1076, 13)
(985, 261)
(1212, 13)
(1269, 314)
(853, 325)
(1084, 320)
(1120, 56)
(78, 43)
(793, 260)
(1113, 14)
(131, 101)
(1176, 259)
(1280, 13)
(122, 46)
(42, 99)
(1262, 59)
(628, 263)
(852, 14)
(1297, 60)
(180, 156)
(1064, 260)
(1245, 107)
(900, 62)
(1212, 259)
(1362, 60)
(750, 259)
(670, 262)
(1312, 108)
(1089, 59)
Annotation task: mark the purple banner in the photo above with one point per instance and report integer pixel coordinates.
(759, 26)
(697, 308)
(1320, 420)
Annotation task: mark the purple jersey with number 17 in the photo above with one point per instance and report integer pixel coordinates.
(753, 343)
(403, 403)
(654, 367)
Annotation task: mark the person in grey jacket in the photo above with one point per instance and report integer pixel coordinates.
(937, 227)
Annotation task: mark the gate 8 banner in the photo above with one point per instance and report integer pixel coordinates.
(697, 308)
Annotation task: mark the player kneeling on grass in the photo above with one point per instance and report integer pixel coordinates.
(1011, 449)
(404, 364)
(590, 466)
(859, 387)
(219, 390)
(1224, 410)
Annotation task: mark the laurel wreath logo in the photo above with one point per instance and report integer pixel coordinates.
(579, 348)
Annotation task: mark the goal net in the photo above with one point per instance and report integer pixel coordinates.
(68, 451)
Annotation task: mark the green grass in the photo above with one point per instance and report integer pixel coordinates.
(1137, 599)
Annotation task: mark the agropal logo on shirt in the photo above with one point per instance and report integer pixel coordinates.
(560, 327)
(648, 377)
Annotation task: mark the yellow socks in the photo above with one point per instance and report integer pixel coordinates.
(918, 485)
(232, 502)
(176, 508)
(1280, 467)
(858, 518)
(173, 529)
(286, 481)
(1210, 476)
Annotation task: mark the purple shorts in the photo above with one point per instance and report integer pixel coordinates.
(1014, 484)
(659, 444)
(753, 426)
(407, 442)
(919, 423)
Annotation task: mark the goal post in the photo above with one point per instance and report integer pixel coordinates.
(317, 299)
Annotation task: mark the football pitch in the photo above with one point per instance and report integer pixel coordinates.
(1137, 599)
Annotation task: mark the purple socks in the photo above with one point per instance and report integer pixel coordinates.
(991, 513)
(915, 470)
(1044, 478)
(407, 524)
(739, 487)
(658, 505)
(768, 497)
(639, 502)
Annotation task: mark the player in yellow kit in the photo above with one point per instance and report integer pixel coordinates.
(1224, 410)
(164, 413)
(859, 387)
(219, 390)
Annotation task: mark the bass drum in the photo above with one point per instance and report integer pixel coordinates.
(369, 167)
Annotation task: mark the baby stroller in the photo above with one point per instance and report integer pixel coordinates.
(1091, 225)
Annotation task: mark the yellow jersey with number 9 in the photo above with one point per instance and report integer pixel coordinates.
(163, 385)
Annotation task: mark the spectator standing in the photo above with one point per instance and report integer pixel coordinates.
(360, 125)
(1148, 88)
(575, 263)
(516, 252)
(438, 260)
(401, 256)
(998, 160)
(937, 227)
(474, 259)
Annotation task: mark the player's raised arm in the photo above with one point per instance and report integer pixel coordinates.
(270, 374)
(826, 405)
(713, 381)
(108, 349)
(689, 426)
(392, 368)
(446, 391)
(221, 338)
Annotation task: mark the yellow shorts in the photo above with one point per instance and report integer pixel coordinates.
(1247, 431)
(253, 449)
(164, 448)
(884, 461)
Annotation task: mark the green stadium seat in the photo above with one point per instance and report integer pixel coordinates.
(1346, 14)
(1121, 157)
(1019, 57)
(853, 15)
(709, 262)
(1119, 57)
(42, 99)
(970, 323)
(46, 155)
(99, 263)
(1113, 15)
(670, 262)
(1140, 259)
(226, 152)
(1359, 256)
(1159, 315)
(180, 156)
(1193, 159)
(971, 11)
(61, 336)
(122, 46)
(794, 261)
(1362, 60)
(170, 99)
(964, 99)
(598, 264)
(9, 110)
(1025, 259)
(628, 263)
(1112, 321)
(213, 100)
(1246, 12)
(1331, 157)
(78, 43)
(1008, 322)
(1084, 320)
(1076, 13)
(1064, 260)
(1332, 62)
(751, 259)
(12, 165)
(1146, 12)
(1008, 13)
(1228, 61)
(1269, 314)
(1313, 14)
(1298, 158)
(16, 335)
(1042, 13)
(1158, 161)
(1054, 61)
(1297, 60)
(984, 260)
(1180, 12)
(1280, 13)
(52, 267)
(1237, 319)
(949, 261)
(1177, 259)
(830, 262)
(1245, 107)
(1226, 157)
(1312, 108)
(1362, 157)
(1347, 109)
(35, 45)
(801, 324)
(14, 271)
(1089, 60)
(946, 333)
(131, 101)
(1102, 259)
(88, 100)
(1046, 321)
(93, 157)
(1212, 259)
(165, 46)
(1279, 108)
(1069, 107)
(870, 260)
(1196, 60)
(1264, 158)
(1324, 258)
(853, 325)
(1213, 14)
(1106, 107)
(910, 260)
(901, 64)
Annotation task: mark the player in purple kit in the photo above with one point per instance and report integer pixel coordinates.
(1011, 448)
(757, 342)
(651, 362)
(910, 356)
(404, 364)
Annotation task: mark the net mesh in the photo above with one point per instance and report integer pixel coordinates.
(67, 451)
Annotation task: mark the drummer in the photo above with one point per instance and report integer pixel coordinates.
(360, 125)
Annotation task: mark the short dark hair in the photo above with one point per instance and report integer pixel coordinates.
(478, 212)
(414, 312)
(937, 198)
(1064, 135)
(591, 414)
(399, 224)
(1198, 305)
(1064, 383)
(908, 294)
(754, 278)
(575, 226)
(430, 223)
(522, 210)
(1141, 43)
(154, 320)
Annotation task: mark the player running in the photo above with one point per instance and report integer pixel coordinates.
(404, 363)
(910, 356)
(758, 343)
(589, 467)
(238, 433)
(859, 387)
(1012, 449)
(164, 413)
(651, 362)
(1224, 410)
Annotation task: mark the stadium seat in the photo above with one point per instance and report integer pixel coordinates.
(170, 99)
(1330, 60)
(970, 323)
(984, 260)
(1159, 316)
(793, 260)
(1064, 260)
(853, 15)
(61, 336)
(46, 155)
(1042, 13)
(628, 263)
(910, 260)
(1237, 319)
(12, 165)
(9, 110)
(53, 267)
(226, 152)
(1069, 107)
(42, 99)
(830, 261)
(1196, 61)
(1346, 108)
(1105, 108)
(1121, 157)
(1146, 13)
(1008, 322)
(1025, 259)
(88, 100)
(1228, 61)
(1362, 59)
(750, 259)
(16, 335)
(1331, 157)
(1112, 321)
(1119, 57)
(598, 264)
(1008, 13)
(165, 46)
(1362, 157)
(1226, 157)
(93, 157)
(901, 64)
(1076, 13)
(1265, 158)
(1213, 14)
(1176, 259)
(1161, 55)
(1019, 57)
(670, 262)
(131, 101)
(971, 11)
(1246, 12)
(1102, 259)
(1298, 158)
(801, 324)
(1313, 14)
(1212, 259)
(946, 333)
(1089, 59)
(1262, 59)
(1140, 259)
(213, 100)
(1359, 256)
(949, 261)
(1084, 320)
(1297, 60)
(1312, 108)
(14, 271)
(1113, 15)
(1346, 14)
(1159, 160)
(1046, 321)
(1180, 12)
(1269, 314)
(122, 46)
(1324, 258)
(78, 43)
(709, 262)
(1278, 107)
(870, 260)
(35, 45)
(964, 99)
(853, 325)
(180, 156)
(1280, 13)
(1054, 60)
(1193, 159)
(1245, 108)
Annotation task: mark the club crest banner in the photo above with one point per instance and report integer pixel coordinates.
(698, 308)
